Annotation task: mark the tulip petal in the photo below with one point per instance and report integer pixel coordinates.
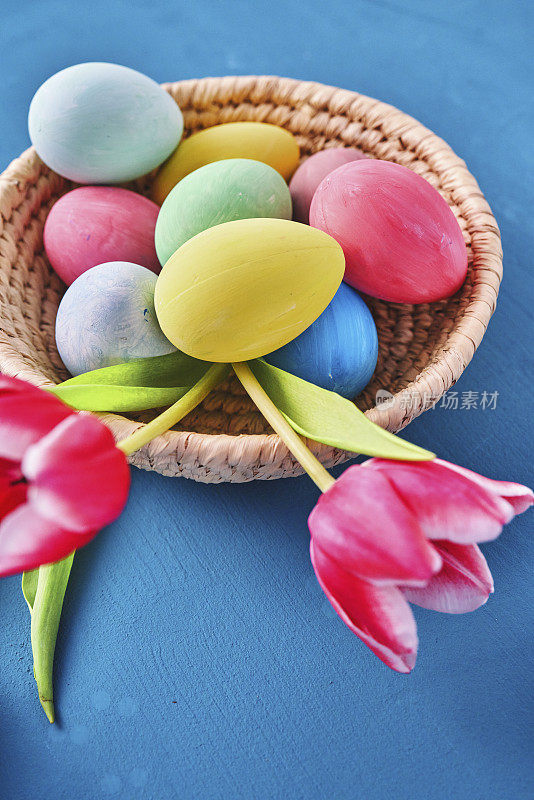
(363, 524)
(28, 540)
(77, 475)
(26, 414)
(11, 496)
(520, 497)
(463, 584)
(379, 616)
(9, 471)
(448, 503)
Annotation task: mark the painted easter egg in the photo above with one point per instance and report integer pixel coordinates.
(223, 191)
(103, 123)
(107, 316)
(400, 238)
(338, 351)
(95, 224)
(242, 289)
(255, 140)
(311, 172)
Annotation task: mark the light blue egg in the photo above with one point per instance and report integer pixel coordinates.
(103, 123)
(107, 316)
(338, 351)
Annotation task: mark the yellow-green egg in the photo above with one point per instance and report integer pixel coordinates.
(259, 141)
(243, 289)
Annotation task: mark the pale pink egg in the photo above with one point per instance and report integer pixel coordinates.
(310, 174)
(400, 238)
(96, 224)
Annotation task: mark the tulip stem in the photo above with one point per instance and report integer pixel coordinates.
(309, 463)
(44, 590)
(163, 422)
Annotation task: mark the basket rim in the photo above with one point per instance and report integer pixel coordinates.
(189, 448)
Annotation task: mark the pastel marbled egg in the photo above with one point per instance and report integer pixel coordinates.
(95, 224)
(224, 191)
(103, 123)
(242, 289)
(338, 351)
(260, 141)
(401, 240)
(107, 317)
(311, 172)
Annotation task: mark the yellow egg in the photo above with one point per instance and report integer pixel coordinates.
(243, 289)
(257, 140)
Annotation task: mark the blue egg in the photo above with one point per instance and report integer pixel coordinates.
(338, 351)
(103, 123)
(107, 316)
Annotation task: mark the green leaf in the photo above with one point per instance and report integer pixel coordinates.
(29, 586)
(44, 591)
(133, 386)
(327, 417)
(87, 397)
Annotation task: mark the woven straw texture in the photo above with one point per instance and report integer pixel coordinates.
(423, 349)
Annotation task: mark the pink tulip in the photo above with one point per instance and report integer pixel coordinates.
(61, 477)
(390, 533)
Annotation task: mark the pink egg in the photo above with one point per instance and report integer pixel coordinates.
(400, 238)
(310, 174)
(97, 224)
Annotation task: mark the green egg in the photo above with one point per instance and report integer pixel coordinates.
(223, 191)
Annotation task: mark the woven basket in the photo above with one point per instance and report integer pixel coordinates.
(423, 348)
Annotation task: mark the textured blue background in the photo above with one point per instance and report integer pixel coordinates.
(197, 656)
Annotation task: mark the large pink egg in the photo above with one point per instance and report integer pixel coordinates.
(400, 238)
(310, 174)
(97, 224)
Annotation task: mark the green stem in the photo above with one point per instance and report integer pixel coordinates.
(319, 475)
(162, 423)
(44, 589)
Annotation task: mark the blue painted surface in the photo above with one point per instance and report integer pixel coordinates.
(197, 656)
